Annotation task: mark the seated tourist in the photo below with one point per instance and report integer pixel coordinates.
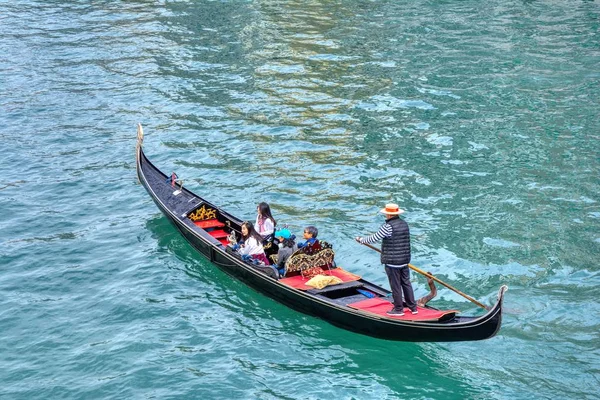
(287, 246)
(313, 257)
(265, 223)
(310, 234)
(251, 244)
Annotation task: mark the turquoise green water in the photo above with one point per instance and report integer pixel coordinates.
(480, 119)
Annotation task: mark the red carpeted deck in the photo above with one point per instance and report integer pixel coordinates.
(298, 282)
(380, 306)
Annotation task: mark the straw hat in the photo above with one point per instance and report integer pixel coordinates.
(391, 209)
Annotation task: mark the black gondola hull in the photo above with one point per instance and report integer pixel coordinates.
(458, 329)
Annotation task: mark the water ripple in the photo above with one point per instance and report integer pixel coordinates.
(480, 120)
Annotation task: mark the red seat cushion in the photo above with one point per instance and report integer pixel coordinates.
(209, 223)
(218, 234)
(298, 282)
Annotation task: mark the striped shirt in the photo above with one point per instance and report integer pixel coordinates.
(385, 231)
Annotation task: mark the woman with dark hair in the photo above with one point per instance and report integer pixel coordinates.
(265, 223)
(287, 247)
(251, 244)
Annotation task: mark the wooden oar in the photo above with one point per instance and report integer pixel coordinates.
(435, 279)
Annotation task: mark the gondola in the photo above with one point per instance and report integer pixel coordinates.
(355, 304)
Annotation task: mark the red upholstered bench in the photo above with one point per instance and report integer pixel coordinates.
(298, 282)
(218, 234)
(209, 223)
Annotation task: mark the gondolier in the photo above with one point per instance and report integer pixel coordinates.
(395, 255)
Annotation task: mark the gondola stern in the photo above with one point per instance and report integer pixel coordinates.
(495, 313)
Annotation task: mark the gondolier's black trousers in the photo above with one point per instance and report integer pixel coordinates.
(400, 283)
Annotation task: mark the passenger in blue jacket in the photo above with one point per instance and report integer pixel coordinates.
(310, 235)
(395, 255)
